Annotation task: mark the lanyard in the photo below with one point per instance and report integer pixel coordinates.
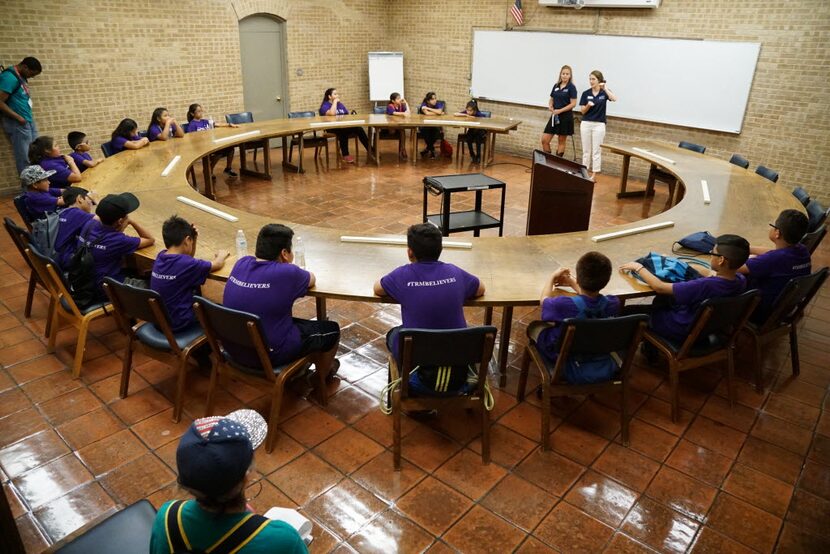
(23, 81)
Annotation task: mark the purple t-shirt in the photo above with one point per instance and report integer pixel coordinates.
(198, 125)
(673, 321)
(61, 169)
(119, 142)
(437, 106)
(39, 202)
(155, 130)
(771, 271)
(560, 308)
(72, 221)
(326, 106)
(392, 108)
(109, 251)
(431, 294)
(174, 277)
(79, 158)
(268, 289)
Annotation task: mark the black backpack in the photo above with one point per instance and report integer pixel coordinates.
(81, 273)
(45, 233)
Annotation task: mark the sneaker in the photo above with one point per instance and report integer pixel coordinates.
(424, 153)
(432, 153)
(231, 172)
(348, 159)
(476, 160)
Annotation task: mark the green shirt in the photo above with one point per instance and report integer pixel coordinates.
(18, 100)
(204, 528)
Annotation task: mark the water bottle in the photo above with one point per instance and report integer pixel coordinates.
(241, 244)
(299, 252)
(211, 123)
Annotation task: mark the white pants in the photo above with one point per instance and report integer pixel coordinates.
(592, 133)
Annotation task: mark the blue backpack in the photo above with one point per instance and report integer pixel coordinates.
(671, 270)
(582, 369)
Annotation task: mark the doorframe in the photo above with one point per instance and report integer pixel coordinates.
(283, 54)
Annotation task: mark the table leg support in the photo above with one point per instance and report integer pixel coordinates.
(321, 308)
(210, 190)
(504, 343)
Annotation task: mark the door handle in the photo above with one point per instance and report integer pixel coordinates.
(279, 98)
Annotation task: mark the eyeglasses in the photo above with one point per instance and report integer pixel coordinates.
(773, 225)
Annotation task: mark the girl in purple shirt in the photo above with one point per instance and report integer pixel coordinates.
(163, 126)
(333, 106)
(196, 123)
(46, 153)
(430, 107)
(398, 107)
(474, 136)
(126, 137)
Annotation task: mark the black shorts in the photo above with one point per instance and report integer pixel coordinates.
(317, 336)
(565, 128)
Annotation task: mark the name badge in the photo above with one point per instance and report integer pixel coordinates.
(30, 103)
(590, 98)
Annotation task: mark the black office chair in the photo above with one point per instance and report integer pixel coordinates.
(310, 140)
(106, 148)
(142, 134)
(240, 119)
(22, 210)
(767, 173)
(739, 160)
(656, 174)
(379, 110)
(591, 337)
(385, 134)
(692, 146)
(462, 140)
(812, 239)
(802, 195)
(816, 214)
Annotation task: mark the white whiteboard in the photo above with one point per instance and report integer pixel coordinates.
(385, 75)
(693, 83)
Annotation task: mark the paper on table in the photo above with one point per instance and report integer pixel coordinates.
(293, 518)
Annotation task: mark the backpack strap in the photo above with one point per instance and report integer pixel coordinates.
(13, 72)
(176, 538)
(240, 535)
(580, 305)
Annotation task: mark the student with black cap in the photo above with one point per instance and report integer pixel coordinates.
(215, 464)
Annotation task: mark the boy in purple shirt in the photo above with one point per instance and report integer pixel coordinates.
(176, 273)
(39, 198)
(267, 285)
(593, 271)
(672, 319)
(772, 268)
(105, 235)
(73, 218)
(45, 152)
(80, 151)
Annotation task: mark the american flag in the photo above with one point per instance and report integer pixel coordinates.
(516, 12)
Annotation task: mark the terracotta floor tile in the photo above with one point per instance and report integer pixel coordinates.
(647, 439)
(745, 393)
(20, 425)
(658, 413)
(792, 387)
(137, 479)
(815, 478)
(378, 427)
(602, 498)
(507, 447)
(69, 406)
(285, 450)
(159, 429)
(459, 424)
(810, 512)
(526, 420)
(111, 452)
(433, 505)
(356, 335)
(354, 367)
(348, 449)
(311, 427)
(795, 540)
(738, 416)
(35, 369)
(351, 404)
(518, 501)
(577, 443)
(98, 368)
(34, 539)
(481, 531)
(6, 382)
(715, 436)
(782, 433)
(379, 476)
(744, 523)
(792, 410)
(820, 451)
(626, 466)
(701, 463)
(89, 428)
(51, 480)
(466, 473)
(709, 541)
(659, 527)
(759, 489)
(823, 426)
(532, 545)
(596, 418)
(345, 508)
(13, 400)
(305, 478)
(21, 352)
(139, 406)
(570, 530)
(390, 532)
(550, 471)
(680, 492)
(51, 386)
(623, 544)
(427, 449)
(109, 388)
(263, 495)
(374, 383)
(69, 512)
(32, 452)
(691, 398)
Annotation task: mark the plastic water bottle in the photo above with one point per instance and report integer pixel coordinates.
(241, 244)
(299, 252)
(211, 123)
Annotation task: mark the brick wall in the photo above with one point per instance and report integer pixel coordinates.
(108, 59)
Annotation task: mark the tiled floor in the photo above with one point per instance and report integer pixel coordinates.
(755, 477)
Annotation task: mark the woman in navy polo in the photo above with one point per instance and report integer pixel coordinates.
(561, 120)
(592, 129)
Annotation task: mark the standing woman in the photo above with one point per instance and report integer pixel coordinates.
(592, 129)
(561, 120)
(333, 106)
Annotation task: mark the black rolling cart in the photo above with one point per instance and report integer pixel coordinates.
(473, 220)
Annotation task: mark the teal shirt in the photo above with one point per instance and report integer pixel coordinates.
(19, 101)
(203, 529)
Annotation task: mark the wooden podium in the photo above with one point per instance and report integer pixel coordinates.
(560, 196)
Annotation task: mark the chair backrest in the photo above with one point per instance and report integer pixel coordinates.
(602, 335)
(379, 109)
(692, 146)
(134, 303)
(794, 299)
(142, 134)
(20, 237)
(739, 160)
(767, 173)
(812, 239)
(293, 115)
(52, 277)
(485, 113)
(106, 148)
(722, 318)
(22, 209)
(802, 195)
(816, 214)
(241, 117)
(127, 531)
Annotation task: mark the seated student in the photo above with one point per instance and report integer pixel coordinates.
(176, 273)
(196, 123)
(76, 214)
(593, 271)
(430, 106)
(398, 107)
(215, 463)
(431, 293)
(39, 198)
(46, 153)
(332, 105)
(474, 136)
(126, 137)
(80, 151)
(105, 235)
(162, 126)
(672, 319)
(267, 285)
(771, 268)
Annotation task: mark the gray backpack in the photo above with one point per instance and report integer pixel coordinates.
(45, 234)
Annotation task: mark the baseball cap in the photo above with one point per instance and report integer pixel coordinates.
(734, 248)
(113, 207)
(34, 173)
(215, 452)
(72, 193)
